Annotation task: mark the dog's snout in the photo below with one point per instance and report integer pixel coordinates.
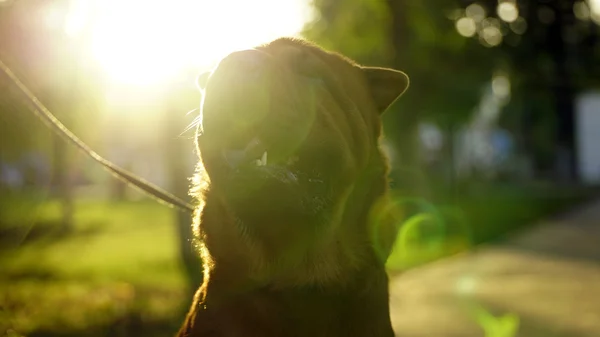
(242, 71)
(248, 61)
(244, 79)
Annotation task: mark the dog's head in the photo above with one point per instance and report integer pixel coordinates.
(289, 144)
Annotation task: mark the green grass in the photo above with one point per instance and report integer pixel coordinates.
(119, 264)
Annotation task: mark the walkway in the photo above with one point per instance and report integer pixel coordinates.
(544, 282)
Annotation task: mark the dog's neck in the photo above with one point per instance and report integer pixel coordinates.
(233, 302)
(358, 308)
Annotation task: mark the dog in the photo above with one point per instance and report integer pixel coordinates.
(290, 187)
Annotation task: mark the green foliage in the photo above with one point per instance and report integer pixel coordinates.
(446, 70)
(358, 29)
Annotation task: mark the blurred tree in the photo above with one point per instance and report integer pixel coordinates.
(29, 56)
(418, 37)
(549, 49)
(49, 62)
(13, 108)
(446, 73)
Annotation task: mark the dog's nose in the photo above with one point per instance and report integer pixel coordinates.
(247, 61)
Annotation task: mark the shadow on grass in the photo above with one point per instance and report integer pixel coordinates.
(127, 326)
(115, 273)
(14, 236)
(38, 274)
(78, 309)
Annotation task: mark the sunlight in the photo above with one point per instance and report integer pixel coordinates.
(144, 42)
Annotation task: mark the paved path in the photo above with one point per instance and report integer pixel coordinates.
(548, 276)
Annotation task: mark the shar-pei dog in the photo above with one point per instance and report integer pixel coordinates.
(290, 176)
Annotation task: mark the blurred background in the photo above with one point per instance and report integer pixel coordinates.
(499, 128)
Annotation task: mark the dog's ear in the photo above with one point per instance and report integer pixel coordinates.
(202, 79)
(386, 85)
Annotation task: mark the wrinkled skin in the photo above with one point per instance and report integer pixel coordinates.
(290, 175)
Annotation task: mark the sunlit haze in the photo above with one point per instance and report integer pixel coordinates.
(147, 41)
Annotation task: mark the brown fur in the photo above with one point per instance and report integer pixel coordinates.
(289, 249)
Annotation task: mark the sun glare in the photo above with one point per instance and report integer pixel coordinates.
(141, 42)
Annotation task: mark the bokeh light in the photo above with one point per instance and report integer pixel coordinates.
(501, 86)
(508, 11)
(519, 26)
(491, 36)
(581, 10)
(466, 26)
(476, 12)
(491, 22)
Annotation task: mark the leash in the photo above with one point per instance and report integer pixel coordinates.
(53, 123)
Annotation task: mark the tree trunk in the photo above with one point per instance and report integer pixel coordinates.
(410, 177)
(564, 93)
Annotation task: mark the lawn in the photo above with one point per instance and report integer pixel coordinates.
(117, 273)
